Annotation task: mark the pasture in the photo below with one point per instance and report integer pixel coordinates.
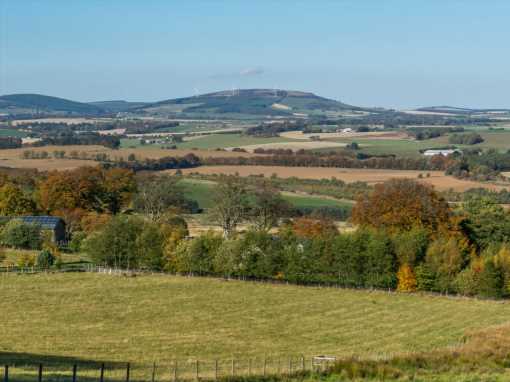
(203, 191)
(349, 175)
(161, 318)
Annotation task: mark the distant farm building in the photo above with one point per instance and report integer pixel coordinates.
(55, 225)
(445, 153)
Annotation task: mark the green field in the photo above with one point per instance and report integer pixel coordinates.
(6, 132)
(212, 141)
(161, 318)
(227, 140)
(203, 191)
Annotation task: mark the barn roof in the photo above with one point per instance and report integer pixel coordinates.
(45, 222)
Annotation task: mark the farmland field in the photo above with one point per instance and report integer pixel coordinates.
(13, 157)
(371, 176)
(202, 192)
(161, 318)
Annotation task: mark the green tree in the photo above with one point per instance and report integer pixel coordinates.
(17, 234)
(116, 244)
(45, 259)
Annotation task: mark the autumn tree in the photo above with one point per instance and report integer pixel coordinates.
(406, 279)
(400, 205)
(313, 228)
(14, 202)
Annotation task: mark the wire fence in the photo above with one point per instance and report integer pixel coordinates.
(174, 371)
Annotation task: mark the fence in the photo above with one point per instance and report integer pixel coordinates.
(190, 370)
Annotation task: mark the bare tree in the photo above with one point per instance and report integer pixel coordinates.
(230, 204)
(268, 207)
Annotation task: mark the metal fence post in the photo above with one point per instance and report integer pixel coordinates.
(39, 374)
(74, 372)
(128, 367)
(6, 373)
(101, 374)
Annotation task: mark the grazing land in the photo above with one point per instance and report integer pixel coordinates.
(203, 191)
(371, 176)
(161, 318)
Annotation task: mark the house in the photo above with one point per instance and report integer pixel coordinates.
(52, 224)
(445, 153)
(345, 130)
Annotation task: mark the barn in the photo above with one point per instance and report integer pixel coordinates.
(52, 224)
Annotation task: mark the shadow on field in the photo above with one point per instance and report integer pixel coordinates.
(28, 359)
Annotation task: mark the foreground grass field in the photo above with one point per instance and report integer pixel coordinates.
(161, 318)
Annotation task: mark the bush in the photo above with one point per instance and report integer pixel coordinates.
(45, 259)
(17, 234)
(77, 241)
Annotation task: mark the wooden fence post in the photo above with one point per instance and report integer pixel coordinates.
(128, 367)
(74, 372)
(6, 373)
(197, 377)
(101, 374)
(265, 366)
(175, 371)
(249, 367)
(153, 372)
(39, 374)
(216, 370)
(290, 365)
(233, 367)
(302, 363)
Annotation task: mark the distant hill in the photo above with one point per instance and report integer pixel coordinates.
(42, 104)
(460, 110)
(249, 103)
(118, 105)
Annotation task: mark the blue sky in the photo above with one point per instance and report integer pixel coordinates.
(372, 53)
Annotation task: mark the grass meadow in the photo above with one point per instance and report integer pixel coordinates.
(203, 191)
(162, 318)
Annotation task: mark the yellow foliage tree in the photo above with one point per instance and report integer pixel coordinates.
(406, 279)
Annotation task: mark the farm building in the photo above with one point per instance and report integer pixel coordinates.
(445, 153)
(52, 224)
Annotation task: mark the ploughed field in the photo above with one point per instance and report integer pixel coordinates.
(371, 176)
(161, 318)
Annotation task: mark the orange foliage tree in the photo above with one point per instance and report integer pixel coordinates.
(406, 279)
(400, 205)
(312, 228)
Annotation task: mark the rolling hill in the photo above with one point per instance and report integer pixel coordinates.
(249, 103)
(42, 104)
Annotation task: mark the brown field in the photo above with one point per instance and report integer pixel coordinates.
(305, 145)
(69, 121)
(371, 135)
(437, 178)
(13, 157)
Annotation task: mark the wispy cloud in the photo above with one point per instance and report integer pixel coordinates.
(255, 71)
(247, 72)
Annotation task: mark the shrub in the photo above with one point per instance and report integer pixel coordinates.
(77, 241)
(406, 279)
(45, 259)
(17, 234)
(26, 260)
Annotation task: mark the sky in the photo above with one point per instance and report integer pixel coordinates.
(392, 53)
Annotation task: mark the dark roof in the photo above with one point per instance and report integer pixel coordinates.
(45, 222)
